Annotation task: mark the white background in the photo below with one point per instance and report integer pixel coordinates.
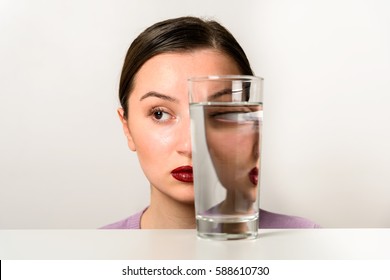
(64, 162)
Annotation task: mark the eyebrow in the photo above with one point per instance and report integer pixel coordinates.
(220, 93)
(230, 91)
(158, 95)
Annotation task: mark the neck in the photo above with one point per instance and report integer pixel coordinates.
(166, 213)
(235, 203)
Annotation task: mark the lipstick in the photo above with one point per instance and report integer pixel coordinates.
(254, 175)
(183, 174)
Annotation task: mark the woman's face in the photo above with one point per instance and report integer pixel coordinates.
(233, 137)
(158, 123)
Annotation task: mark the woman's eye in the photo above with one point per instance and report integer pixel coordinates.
(239, 117)
(160, 115)
(232, 116)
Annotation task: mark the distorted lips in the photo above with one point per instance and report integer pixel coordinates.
(254, 175)
(183, 174)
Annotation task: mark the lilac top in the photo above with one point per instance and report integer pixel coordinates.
(268, 220)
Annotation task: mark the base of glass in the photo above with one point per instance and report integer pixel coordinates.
(227, 229)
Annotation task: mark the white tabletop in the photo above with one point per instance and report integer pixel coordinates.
(297, 244)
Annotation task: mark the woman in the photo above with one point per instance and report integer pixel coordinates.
(155, 115)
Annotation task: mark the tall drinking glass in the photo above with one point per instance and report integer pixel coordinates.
(226, 122)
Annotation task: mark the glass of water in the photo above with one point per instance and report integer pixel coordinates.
(226, 123)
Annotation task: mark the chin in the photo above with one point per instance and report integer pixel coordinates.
(185, 198)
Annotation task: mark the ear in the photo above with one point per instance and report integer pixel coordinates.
(126, 129)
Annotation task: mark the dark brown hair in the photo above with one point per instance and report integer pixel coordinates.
(182, 34)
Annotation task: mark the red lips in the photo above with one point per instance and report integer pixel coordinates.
(183, 174)
(254, 175)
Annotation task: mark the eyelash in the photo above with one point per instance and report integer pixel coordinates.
(217, 113)
(237, 117)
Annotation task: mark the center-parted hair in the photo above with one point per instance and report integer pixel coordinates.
(184, 34)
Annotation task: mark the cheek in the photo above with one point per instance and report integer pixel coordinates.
(153, 150)
(229, 146)
(152, 142)
(163, 137)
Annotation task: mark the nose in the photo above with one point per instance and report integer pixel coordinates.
(184, 146)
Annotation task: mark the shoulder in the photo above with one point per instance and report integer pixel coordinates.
(132, 222)
(275, 220)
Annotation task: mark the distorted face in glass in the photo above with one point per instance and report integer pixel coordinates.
(233, 139)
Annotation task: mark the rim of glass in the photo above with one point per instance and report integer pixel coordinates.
(224, 78)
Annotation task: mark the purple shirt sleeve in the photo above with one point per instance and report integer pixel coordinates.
(269, 220)
(132, 222)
